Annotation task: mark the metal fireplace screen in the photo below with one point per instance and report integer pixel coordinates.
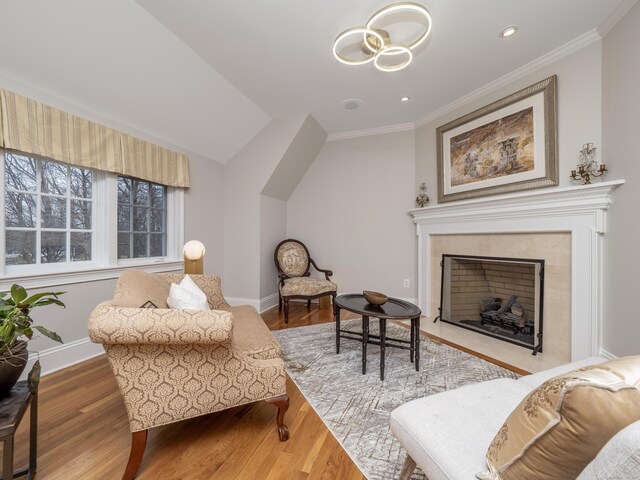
(495, 296)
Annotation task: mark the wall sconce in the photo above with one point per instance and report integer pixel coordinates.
(587, 168)
(193, 252)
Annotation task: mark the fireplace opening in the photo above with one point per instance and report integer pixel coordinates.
(495, 296)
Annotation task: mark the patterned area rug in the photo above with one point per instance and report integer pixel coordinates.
(356, 407)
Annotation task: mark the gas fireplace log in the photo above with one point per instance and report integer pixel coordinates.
(511, 319)
(488, 304)
(517, 309)
(507, 306)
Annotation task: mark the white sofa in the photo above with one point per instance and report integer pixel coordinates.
(447, 435)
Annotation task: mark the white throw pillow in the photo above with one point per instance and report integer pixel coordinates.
(187, 296)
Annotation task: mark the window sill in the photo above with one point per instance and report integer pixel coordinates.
(87, 274)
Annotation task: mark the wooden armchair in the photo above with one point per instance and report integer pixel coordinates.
(172, 365)
(295, 282)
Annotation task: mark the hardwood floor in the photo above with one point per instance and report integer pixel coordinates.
(84, 434)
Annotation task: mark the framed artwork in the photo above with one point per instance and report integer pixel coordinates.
(507, 146)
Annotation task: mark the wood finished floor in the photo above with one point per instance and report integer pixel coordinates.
(84, 433)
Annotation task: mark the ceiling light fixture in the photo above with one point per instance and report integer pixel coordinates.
(375, 44)
(404, 99)
(510, 30)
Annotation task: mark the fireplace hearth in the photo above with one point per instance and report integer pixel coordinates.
(495, 296)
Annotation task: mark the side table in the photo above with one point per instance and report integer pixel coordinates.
(394, 309)
(12, 410)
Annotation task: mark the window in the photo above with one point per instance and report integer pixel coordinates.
(63, 219)
(142, 213)
(47, 211)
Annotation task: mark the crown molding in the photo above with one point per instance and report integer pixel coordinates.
(567, 49)
(616, 16)
(401, 127)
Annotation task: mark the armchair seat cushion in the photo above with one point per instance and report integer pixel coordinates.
(306, 286)
(251, 335)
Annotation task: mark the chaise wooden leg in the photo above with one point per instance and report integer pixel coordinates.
(408, 468)
(279, 303)
(286, 311)
(138, 444)
(282, 402)
(308, 304)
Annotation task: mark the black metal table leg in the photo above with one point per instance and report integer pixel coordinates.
(337, 310)
(365, 341)
(412, 345)
(383, 334)
(417, 344)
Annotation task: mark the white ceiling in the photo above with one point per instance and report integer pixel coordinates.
(112, 58)
(208, 75)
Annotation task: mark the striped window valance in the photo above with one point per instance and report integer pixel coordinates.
(33, 127)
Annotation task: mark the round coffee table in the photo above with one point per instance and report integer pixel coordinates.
(394, 309)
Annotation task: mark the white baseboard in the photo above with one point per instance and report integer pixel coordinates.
(607, 355)
(63, 356)
(261, 305)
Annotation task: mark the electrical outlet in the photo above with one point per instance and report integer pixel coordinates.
(406, 283)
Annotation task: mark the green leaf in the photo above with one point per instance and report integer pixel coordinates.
(48, 333)
(18, 293)
(47, 301)
(37, 296)
(33, 379)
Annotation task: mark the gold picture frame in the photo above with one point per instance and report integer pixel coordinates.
(507, 146)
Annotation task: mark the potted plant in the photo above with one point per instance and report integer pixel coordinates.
(16, 329)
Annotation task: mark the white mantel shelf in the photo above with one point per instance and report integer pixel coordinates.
(579, 210)
(585, 197)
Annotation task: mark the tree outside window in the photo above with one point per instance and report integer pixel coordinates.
(142, 214)
(48, 211)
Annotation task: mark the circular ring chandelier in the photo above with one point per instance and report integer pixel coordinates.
(376, 44)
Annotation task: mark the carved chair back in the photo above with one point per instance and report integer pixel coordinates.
(292, 258)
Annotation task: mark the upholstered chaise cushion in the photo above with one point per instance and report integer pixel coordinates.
(447, 434)
(111, 324)
(561, 426)
(306, 286)
(251, 335)
(137, 287)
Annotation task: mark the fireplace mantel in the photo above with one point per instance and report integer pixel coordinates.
(578, 210)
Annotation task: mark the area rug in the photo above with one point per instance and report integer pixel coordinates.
(356, 407)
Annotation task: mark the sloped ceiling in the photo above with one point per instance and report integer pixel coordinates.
(113, 58)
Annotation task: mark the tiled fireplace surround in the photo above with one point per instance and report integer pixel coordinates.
(564, 226)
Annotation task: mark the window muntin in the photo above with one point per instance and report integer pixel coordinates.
(142, 219)
(48, 211)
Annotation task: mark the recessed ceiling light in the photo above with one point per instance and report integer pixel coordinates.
(507, 32)
(404, 99)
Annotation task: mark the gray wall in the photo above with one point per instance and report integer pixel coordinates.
(273, 229)
(244, 178)
(249, 217)
(350, 209)
(579, 113)
(620, 130)
(204, 211)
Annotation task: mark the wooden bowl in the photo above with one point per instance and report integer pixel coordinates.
(375, 298)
